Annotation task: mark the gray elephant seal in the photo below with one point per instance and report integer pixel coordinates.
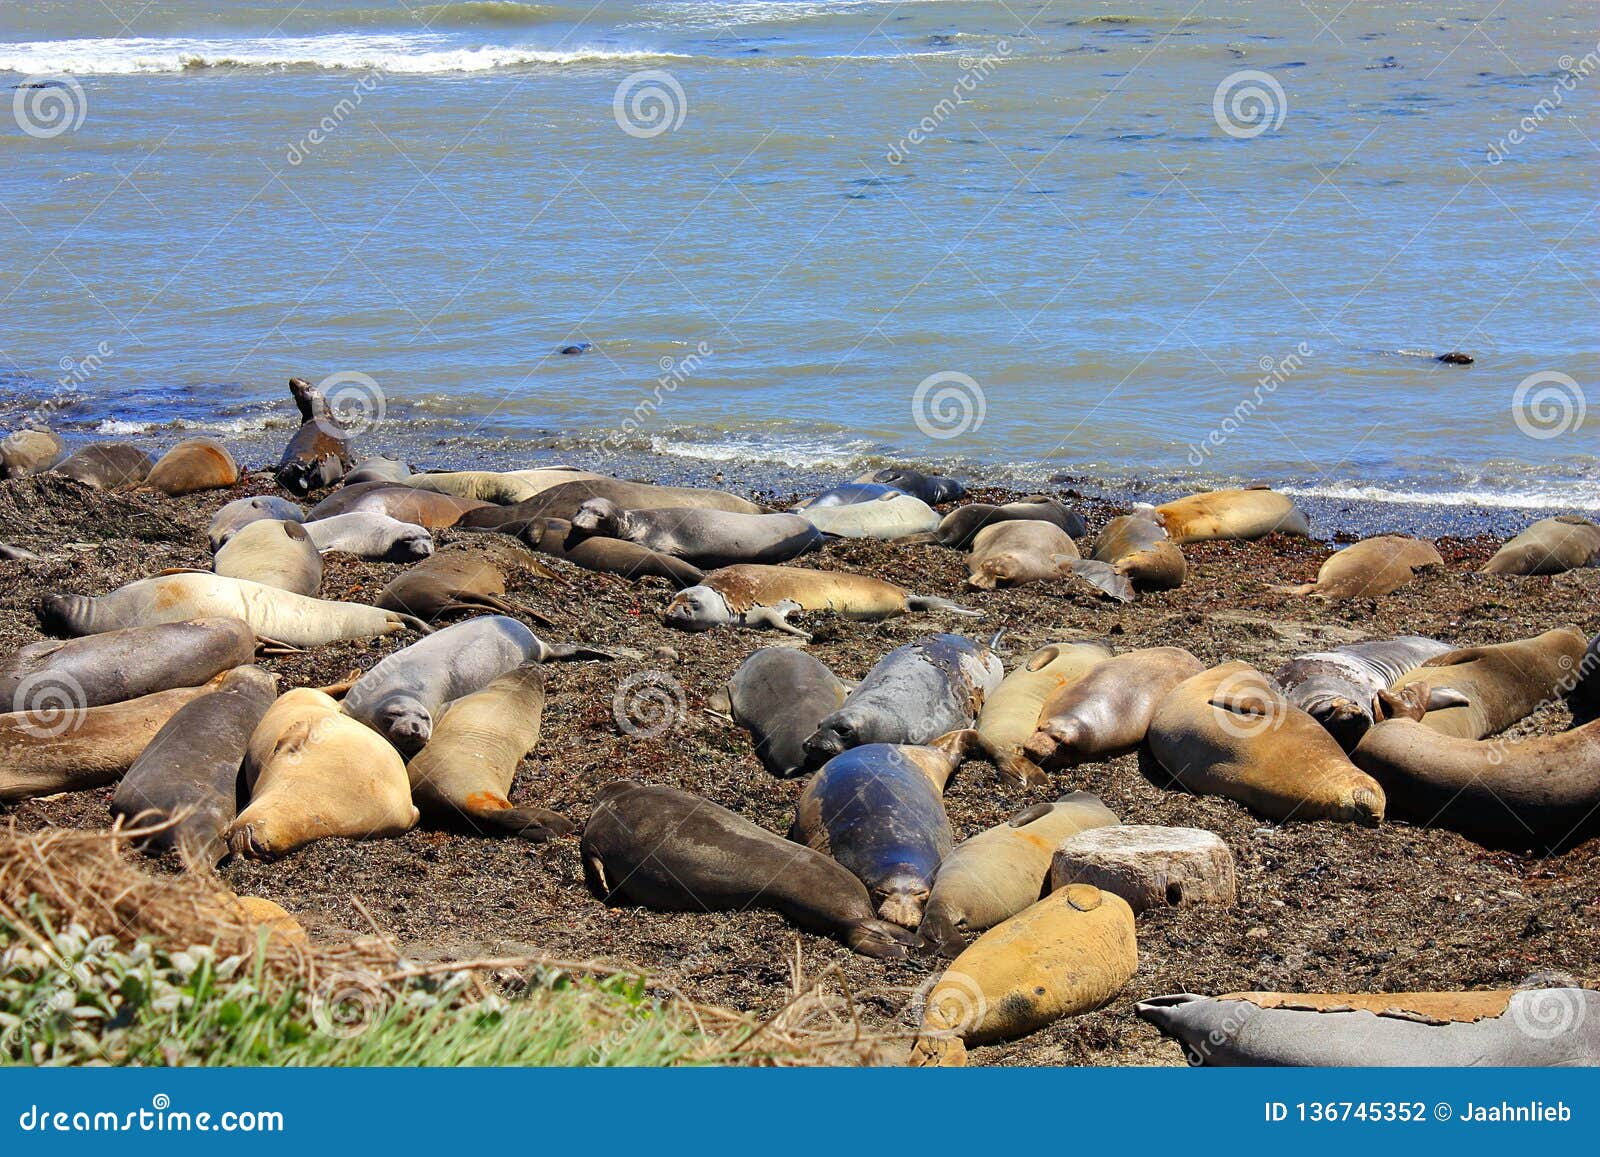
(916, 693)
(106, 466)
(1107, 712)
(1549, 546)
(191, 767)
(192, 465)
(565, 500)
(956, 529)
(1339, 688)
(1528, 1028)
(670, 850)
(848, 494)
(933, 489)
(706, 538)
(878, 809)
(765, 596)
(126, 664)
(465, 577)
(371, 535)
(779, 695)
(241, 512)
(273, 553)
(557, 538)
(25, 452)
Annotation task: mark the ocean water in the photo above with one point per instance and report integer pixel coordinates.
(1160, 243)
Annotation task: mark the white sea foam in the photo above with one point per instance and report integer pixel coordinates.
(795, 454)
(1553, 496)
(115, 428)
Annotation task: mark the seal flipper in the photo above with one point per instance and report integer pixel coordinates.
(879, 939)
(940, 934)
(551, 652)
(494, 604)
(1101, 575)
(934, 603)
(1459, 655)
(1014, 765)
(760, 616)
(536, 824)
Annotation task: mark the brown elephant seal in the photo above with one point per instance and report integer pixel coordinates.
(53, 746)
(934, 489)
(565, 500)
(676, 852)
(914, 694)
(1340, 688)
(1529, 1028)
(1107, 712)
(29, 451)
(1501, 684)
(706, 538)
(894, 515)
(879, 810)
(272, 553)
(557, 538)
(1370, 569)
(1011, 714)
(124, 664)
(106, 466)
(465, 578)
(1139, 548)
(1545, 788)
(501, 488)
(241, 512)
(318, 454)
(274, 615)
(1549, 546)
(1230, 731)
(957, 528)
(1232, 514)
(999, 872)
(779, 695)
(190, 770)
(192, 465)
(752, 595)
(378, 469)
(314, 772)
(400, 502)
(1066, 954)
(466, 768)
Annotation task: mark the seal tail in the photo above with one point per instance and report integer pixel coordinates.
(496, 605)
(66, 614)
(535, 824)
(414, 623)
(1293, 589)
(1011, 763)
(934, 603)
(1103, 577)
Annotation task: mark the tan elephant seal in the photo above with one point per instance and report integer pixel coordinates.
(503, 488)
(1370, 569)
(893, 515)
(999, 872)
(465, 578)
(272, 919)
(466, 768)
(1139, 548)
(400, 502)
(118, 665)
(1501, 684)
(753, 595)
(272, 553)
(192, 465)
(1230, 731)
(315, 772)
(106, 466)
(1232, 514)
(1011, 714)
(1549, 546)
(1067, 954)
(1019, 551)
(1107, 712)
(29, 451)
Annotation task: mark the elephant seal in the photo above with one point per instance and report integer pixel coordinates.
(1066, 954)
(999, 872)
(1370, 569)
(191, 768)
(565, 500)
(273, 553)
(467, 766)
(1501, 684)
(502, 489)
(371, 535)
(765, 596)
(879, 810)
(402, 695)
(779, 695)
(892, 516)
(1139, 548)
(957, 528)
(399, 501)
(313, 772)
(29, 451)
(120, 665)
(106, 466)
(465, 577)
(673, 851)
(1107, 712)
(377, 469)
(318, 454)
(274, 615)
(241, 512)
(1529, 1028)
(52, 746)
(1230, 731)
(1584, 698)
(847, 495)
(192, 465)
(1013, 553)
(1339, 688)
(556, 538)
(706, 538)
(1549, 546)
(916, 693)
(1506, 790)
(1232, 514)
(934, 489)
(1010, 715)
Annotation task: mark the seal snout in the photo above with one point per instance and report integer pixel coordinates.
(64, 614)
(901, 900)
